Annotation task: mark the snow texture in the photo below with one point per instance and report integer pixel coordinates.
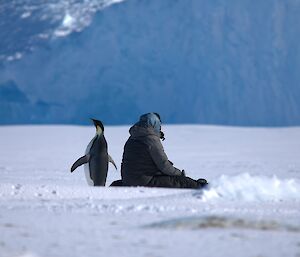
(252, 207)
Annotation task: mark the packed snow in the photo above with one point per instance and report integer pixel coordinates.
(252, 207)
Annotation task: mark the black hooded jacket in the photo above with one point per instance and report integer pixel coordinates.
(144, 157)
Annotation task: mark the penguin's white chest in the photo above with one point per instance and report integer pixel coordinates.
(87, 165)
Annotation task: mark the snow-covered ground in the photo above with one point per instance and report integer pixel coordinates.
(252, 208)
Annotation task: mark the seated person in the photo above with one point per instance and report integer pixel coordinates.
(144, 161)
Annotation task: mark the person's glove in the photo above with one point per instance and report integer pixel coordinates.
(202, 182)
(183, 173)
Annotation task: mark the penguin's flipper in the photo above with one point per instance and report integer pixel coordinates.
(82, 160)
(110, 159)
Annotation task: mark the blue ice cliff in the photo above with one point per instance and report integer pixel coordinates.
(197, 61)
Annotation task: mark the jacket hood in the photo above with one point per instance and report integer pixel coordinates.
(150, 120)
(137, 131)
(149, 124)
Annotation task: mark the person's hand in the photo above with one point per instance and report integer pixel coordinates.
(202, 183)
(183, 173)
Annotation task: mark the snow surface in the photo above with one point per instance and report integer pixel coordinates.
(252, 208)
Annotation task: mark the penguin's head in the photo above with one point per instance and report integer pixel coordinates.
(99, 126)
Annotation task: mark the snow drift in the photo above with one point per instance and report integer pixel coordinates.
(244, 187)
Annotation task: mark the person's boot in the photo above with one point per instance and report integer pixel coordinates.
(117, 183)
(202, 183)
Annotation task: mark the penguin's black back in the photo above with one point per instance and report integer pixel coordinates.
(98, 163)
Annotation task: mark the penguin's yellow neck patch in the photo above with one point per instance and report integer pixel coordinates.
(99, 131)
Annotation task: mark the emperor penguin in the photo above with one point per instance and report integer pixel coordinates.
(96, 158)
